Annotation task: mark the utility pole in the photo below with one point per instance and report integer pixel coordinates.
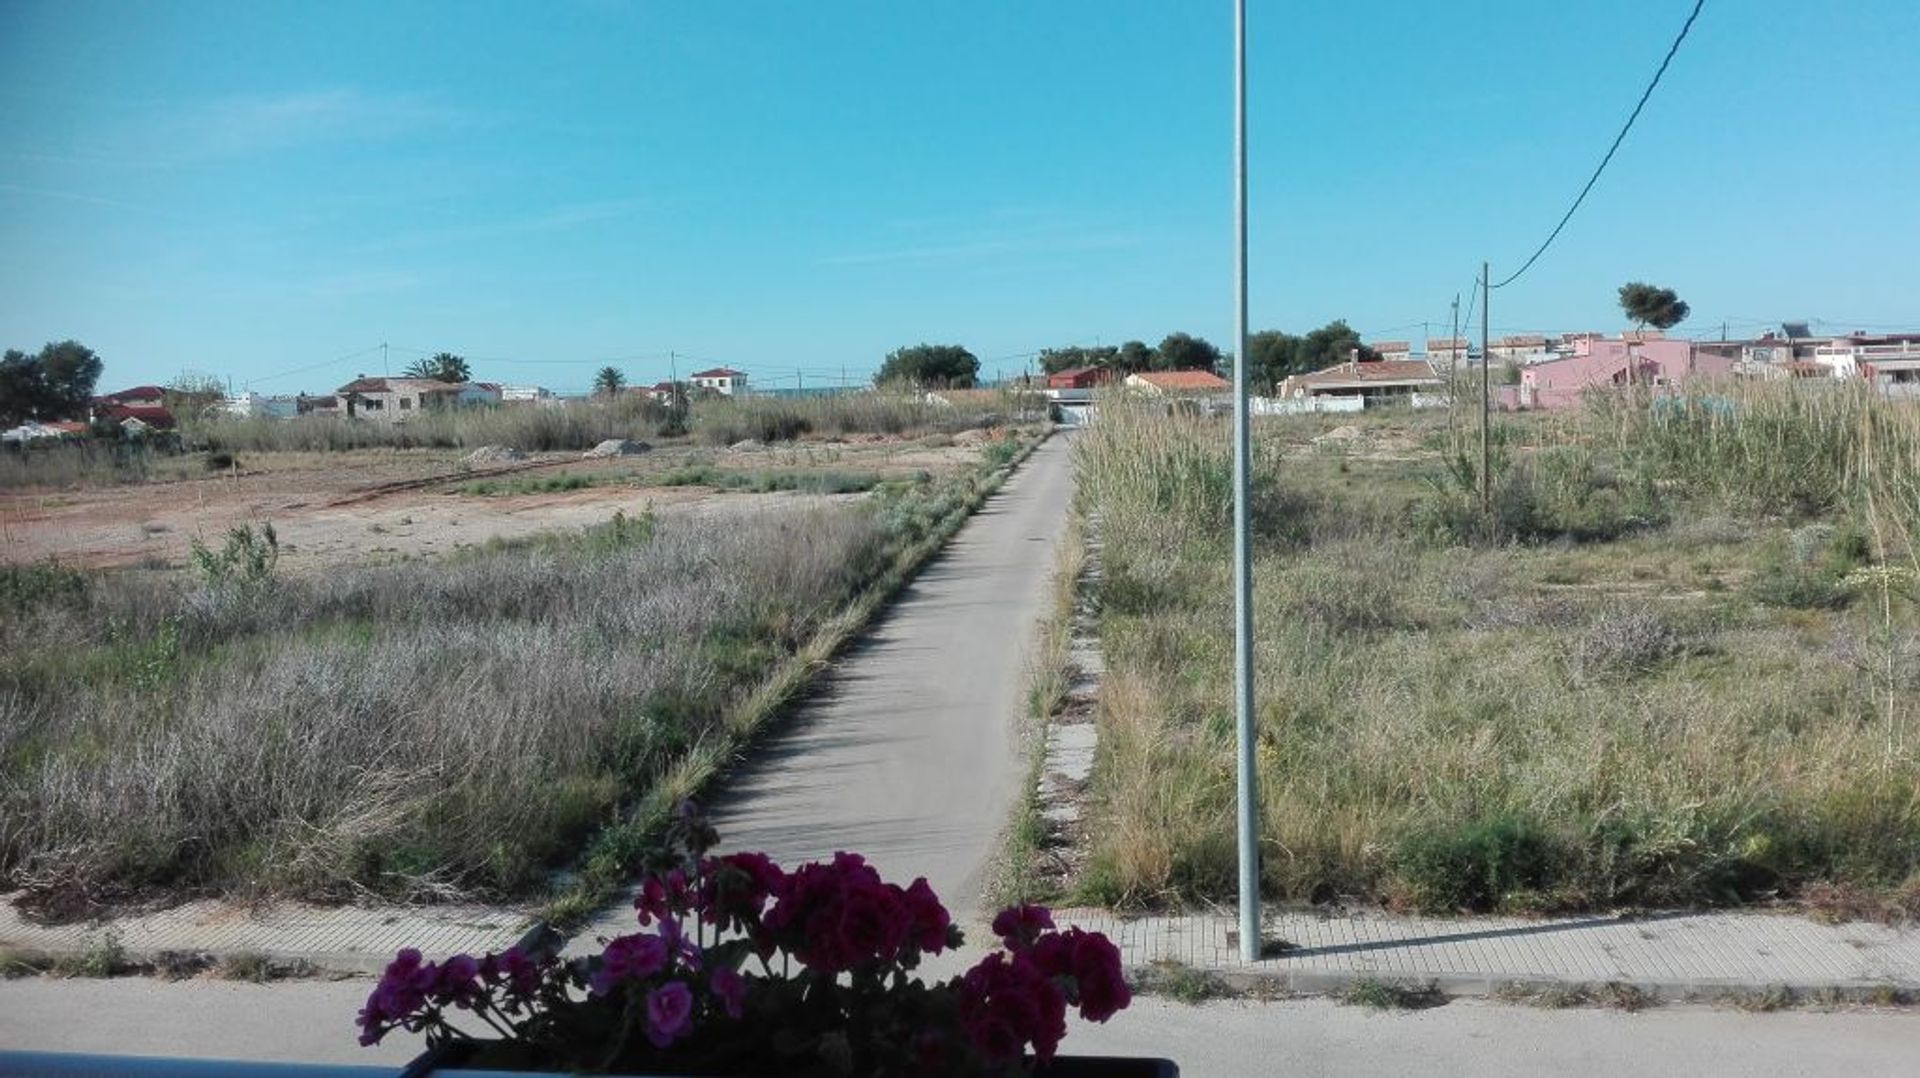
(1453, 341)
(1453, 380)
(1486, 397)
(384, 369)
(1247, 795)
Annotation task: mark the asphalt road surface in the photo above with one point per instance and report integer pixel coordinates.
(312, 1021)
(910, 754)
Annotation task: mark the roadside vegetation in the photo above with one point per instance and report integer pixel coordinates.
(214, 443)
(437, 728)
(1674, 664)
(584, 424)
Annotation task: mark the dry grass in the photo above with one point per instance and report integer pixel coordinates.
(422, 729)
(1598, 709)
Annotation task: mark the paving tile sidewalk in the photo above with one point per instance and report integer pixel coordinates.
(1673, 955)
(347, 939)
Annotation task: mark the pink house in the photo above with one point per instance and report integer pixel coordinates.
(1603, 363)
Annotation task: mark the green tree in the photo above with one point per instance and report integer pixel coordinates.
(442, 367)
(1184, 352)
(55, 384)
(1132, 358)
(193, 392)
(930, 366)
(1646, 305)
(609, 381)
(1055, 360)
(1275, 356)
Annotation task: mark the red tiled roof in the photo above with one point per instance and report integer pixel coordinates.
(1391, 346)
(152, 415)
(718, 372)
(136, 393)
(1184, 380)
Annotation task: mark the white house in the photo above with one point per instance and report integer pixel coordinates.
(253, 405)
(722, 380)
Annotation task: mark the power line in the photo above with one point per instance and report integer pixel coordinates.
(311, 366)
(1617, 140)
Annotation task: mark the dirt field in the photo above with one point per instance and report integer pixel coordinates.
(331, 509)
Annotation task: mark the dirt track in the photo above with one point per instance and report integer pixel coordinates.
(340, 508)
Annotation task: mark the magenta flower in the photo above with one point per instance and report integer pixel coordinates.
(662, 897)
(730, 989)
(669, 1013)
(512, 968)
(457, 982)
(929, 919)
(734, 889)
(628, 958)
(1019, 926)
(1006, 1003)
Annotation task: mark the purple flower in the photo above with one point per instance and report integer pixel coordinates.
(669, 1013)
(399, 997)
(730, 989)
(628, 958)
(930, 919)
(662, 897)
(512, 968)
(1019, 926)
(457, 981)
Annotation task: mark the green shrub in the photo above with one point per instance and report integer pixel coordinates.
(1807, 569)
(25, 586)
(1476, 865)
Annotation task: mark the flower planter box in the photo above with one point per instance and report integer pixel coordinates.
(470, 1057)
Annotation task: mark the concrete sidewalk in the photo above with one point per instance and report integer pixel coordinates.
(1674, 956)
(340, 938)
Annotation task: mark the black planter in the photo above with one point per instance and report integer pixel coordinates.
(450, 1059)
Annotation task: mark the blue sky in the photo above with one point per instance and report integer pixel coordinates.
(248, 189)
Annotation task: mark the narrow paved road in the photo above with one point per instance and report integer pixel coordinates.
(909, 754)
(312, 1021)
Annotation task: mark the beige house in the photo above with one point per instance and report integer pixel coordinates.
(396, 400)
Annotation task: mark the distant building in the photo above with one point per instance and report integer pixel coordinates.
(1368, 379)
(1890, 360)
(138, 396)
(1394, 350)
(526, 395)
(1178, 383)
(135, 418)
(1646, 359)
(1520, 348)
(255, 406)
(1079, 378)
(722, 380)
(396, 400)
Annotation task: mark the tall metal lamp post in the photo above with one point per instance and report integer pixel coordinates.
(1248, 826)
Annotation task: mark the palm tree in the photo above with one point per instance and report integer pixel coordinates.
(442, 367)
(608, 382)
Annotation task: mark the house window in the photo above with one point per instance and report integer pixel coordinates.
(374, 405)
(406, 404)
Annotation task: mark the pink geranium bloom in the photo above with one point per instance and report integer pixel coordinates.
(669, 1013)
